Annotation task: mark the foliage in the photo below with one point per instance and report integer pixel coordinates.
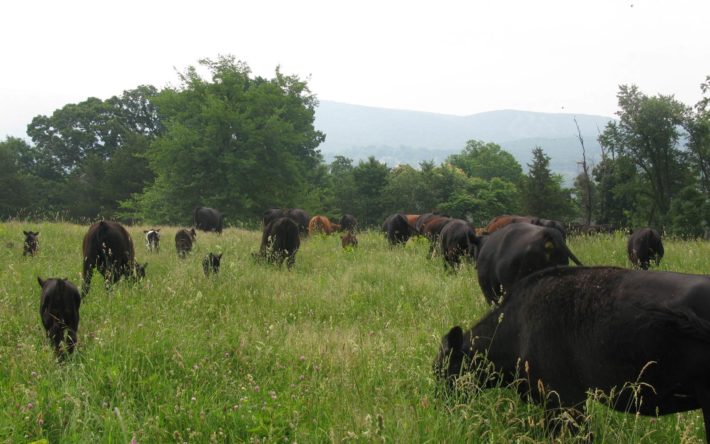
(542, 193)
(235, 142)
(487, 161)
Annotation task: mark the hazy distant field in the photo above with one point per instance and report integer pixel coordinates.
(338, 349)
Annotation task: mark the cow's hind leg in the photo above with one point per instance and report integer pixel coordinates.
(703, 396)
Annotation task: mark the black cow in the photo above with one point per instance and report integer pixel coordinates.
(642, 338)
(458, 239)
(59, 311)
(280, 241)
(514, 252)
(183, 241)
(152, 239)
(31, 243)
(211, 262)
(348, 223)
(296, 214)
(208, 219)
(108, 247)
(397, 229)
(643, 246)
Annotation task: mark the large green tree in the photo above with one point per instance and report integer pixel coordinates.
(486, 161)
(232, 141)
(648, 133)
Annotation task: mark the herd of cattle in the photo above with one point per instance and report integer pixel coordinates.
(556, 332)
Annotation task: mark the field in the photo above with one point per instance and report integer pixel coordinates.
(338, 349)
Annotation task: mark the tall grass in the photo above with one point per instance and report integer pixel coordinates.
(338, 349)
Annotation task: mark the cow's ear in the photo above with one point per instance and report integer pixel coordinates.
(145, 266)
(26, 233)
(220, 255)
(41, 282)
(157, 229)
(146, 231)
(454, 338)
(37, 233)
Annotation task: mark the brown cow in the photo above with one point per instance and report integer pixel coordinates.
(431, 230)
(108, 247)
(412, 219)
(499, 222)
(321, 224)
(348, 240)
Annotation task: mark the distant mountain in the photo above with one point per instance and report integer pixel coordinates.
(398, 136)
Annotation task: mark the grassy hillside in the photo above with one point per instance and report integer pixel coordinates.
(338, 349)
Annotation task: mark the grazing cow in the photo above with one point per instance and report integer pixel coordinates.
(31, 243)
(59, 310)
(108, 247)
(211, 262)
(397, 229)
(296, 214)
(432, 229)
(183, 241)
(280, 241)
(515, 251)
(348, 223)
(348, 240)
(458, 239)
(640, 338)
(643, 246)
(412, 220)
(423, 219)
(499, 222)
(321, 224)
(208, 219)
(152, 239)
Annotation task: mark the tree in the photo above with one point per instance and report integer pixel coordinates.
(542, 194)
(370, 180)
(486, 161)
(648, 133)
(235, 142)
(16, 196)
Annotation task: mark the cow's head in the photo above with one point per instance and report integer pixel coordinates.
(139, 270)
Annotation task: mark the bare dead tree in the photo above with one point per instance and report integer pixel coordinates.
(587, 204)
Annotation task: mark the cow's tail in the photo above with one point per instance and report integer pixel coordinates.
(194, 216)
(684, 319)
(572, 256)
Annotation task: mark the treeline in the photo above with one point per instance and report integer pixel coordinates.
(243, 143)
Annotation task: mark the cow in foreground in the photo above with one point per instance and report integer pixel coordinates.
(641, 338)
(184, 239)
(152, 239)
(397, 229)
(458, 240)
(31, 243)
(515, 251)
(59, 311)
(208, 219)
(211, 263)
(108, 247)
(643, 246)
(280, 242)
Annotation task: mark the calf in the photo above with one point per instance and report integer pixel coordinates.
(641, 338)
(59, 311)
(280, 241)
(108, 247)
(152, 239)
(514, 252)
(643, 246)
(184, 240)
(211, 262)
(458, 239)
(321, 224)
(348, 240)
(31, 243)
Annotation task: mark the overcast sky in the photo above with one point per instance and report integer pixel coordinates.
(451, 57)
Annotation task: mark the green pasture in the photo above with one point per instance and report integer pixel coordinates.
(339, 349)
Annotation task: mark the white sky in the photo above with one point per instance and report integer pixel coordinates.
(451, 57)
